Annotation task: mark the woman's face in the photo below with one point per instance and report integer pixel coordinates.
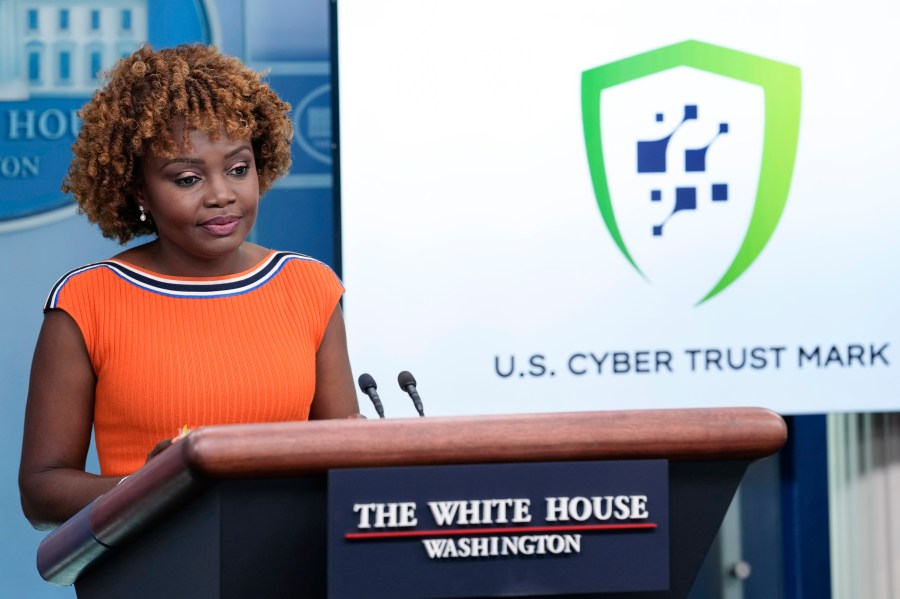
(204, 201)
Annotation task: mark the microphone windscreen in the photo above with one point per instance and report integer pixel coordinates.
(406, 379)
(366, 382)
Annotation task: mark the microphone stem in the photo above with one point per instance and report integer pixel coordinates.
(416, 401)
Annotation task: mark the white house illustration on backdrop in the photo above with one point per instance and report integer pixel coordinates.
(58, 48)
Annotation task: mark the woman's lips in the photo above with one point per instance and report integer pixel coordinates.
(221, 225)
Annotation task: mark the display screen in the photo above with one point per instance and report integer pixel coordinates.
(592, 205)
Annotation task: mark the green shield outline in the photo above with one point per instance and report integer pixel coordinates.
(781, 88)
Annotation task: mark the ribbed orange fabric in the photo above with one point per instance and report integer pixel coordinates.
(170, 352)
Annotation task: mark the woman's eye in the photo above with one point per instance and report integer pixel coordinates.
(186, 181)
(240, 170)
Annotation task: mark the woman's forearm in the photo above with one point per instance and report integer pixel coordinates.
(50, 497)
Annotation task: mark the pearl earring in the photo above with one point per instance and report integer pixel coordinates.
(143, 216)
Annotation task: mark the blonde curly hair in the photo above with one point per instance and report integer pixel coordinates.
(132, 116)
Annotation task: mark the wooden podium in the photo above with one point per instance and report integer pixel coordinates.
(239, 511)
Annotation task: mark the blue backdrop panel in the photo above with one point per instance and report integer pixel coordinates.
(296, 216)
(299, 221)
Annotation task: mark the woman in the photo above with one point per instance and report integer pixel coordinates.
(198, 326)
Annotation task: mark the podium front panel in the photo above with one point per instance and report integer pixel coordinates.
(499, 530)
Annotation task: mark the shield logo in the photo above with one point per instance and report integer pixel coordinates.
(691, 150)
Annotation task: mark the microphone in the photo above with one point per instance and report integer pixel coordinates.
(368, 386)
(408, 383)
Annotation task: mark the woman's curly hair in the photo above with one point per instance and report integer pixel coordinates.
(132, 116)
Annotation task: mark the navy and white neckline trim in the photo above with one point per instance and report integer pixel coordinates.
(189, 288)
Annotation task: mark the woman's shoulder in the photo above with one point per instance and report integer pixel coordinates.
(84, 277)
(302, 261)
(90, 279)
(301, 276)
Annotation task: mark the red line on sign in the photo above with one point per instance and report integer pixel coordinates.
(488, 531)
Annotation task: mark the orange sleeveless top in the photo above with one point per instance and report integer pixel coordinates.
(174, 351)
